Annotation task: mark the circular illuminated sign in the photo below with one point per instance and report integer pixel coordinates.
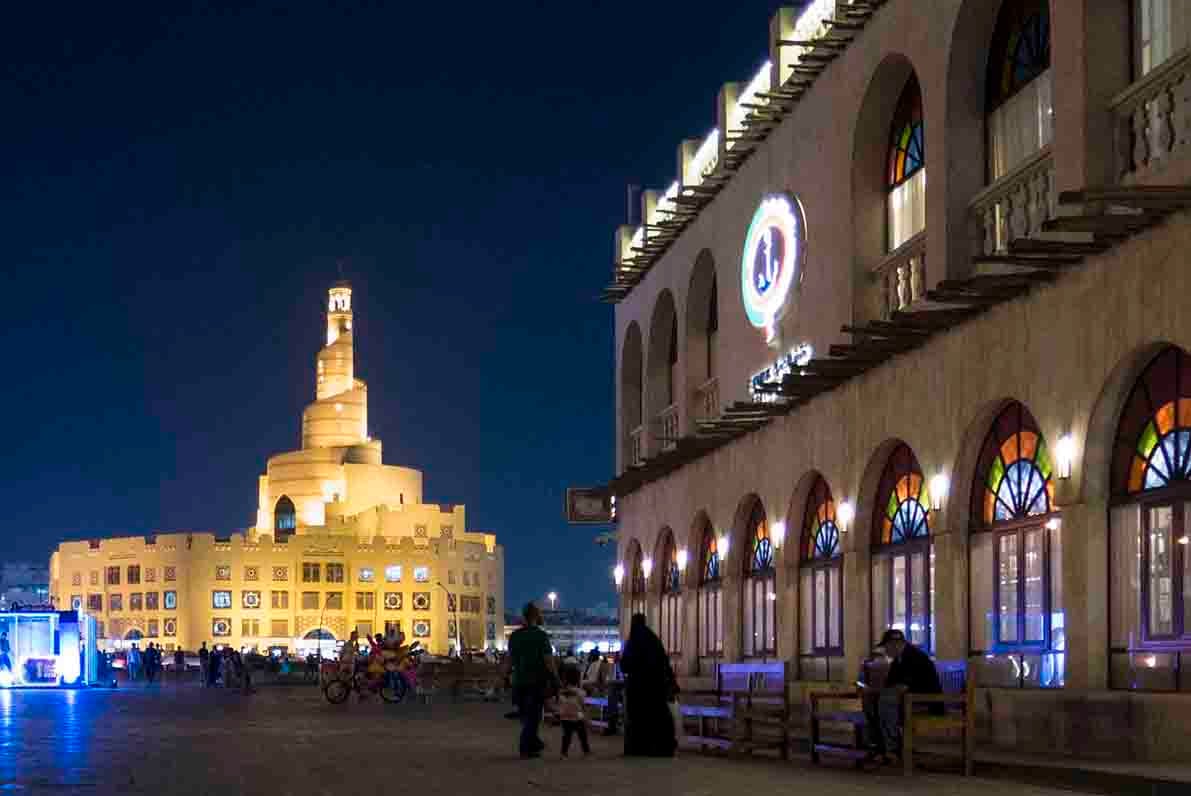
(772, 263)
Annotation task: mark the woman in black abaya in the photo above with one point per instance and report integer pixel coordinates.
(649, 688)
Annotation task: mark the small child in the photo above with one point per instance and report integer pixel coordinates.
(570, 711)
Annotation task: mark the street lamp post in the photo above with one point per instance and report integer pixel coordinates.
(553, 598)
(458, 626)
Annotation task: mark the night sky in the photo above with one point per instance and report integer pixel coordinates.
(177, 184)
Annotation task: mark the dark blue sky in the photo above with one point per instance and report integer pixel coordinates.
(177, 183)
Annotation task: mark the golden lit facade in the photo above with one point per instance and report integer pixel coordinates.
(341, 542)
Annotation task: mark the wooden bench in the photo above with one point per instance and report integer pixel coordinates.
(752, 699)
(956, 700)
(604, 711)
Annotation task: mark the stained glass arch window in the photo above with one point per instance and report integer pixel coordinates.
(907, 144)
(820, 532)
(903, 501)
(709, 557)
(1014, 472)
(1020, 48)
(761, 551)
(1153, 443)
(671, 577)
(637, 584)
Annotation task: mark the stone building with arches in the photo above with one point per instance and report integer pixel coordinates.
(849, 399)
(342, 541)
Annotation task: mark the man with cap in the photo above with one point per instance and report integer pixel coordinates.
(911, 670)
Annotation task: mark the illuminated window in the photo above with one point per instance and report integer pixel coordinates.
(136, 601)
(76, 602)
(393, 573)
(907, 168)
(221, 598)
(334, 573)
(421, 574)
(1017, 604)
(637, 583)
(170, 600)
(366, 574)
(821, 584)
(365, 601)
(903, 558)
(1020, 111)
(285, 518)
(760, 587)
(710, 598)
(670, 624)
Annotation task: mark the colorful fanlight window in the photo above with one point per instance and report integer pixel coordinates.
(1153, 444)
(1014, 471)
(761, 559)
(638, 582)
(1020, 48)
(672, 578)
(903, 507)
(710, 557)
(820, 533)
(907, 147)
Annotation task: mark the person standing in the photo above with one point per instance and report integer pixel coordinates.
(649, 688)
(5, 652)
(179, 665)
(204, 656)
(532, 665)
(133, 659)
(571, 711)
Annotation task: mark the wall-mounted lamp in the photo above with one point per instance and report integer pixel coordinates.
(721, 547)
(682, 559)
(618, 574)
(1066, 454)
(1053, 524)
(845, 514)
(647, 567)
(777, 533)
(939, 485)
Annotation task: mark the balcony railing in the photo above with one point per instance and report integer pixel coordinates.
(667, 428)
(902, 275)
(1015, 206)
(1153, 119)
(707, 406)
(637, 446)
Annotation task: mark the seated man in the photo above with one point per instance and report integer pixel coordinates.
(911, 670)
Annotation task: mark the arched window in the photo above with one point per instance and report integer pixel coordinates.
(1016, 558)
(713, 328)
(821, 584)
(670, 624)
(709, 601)
(637, 587)
(1018, 105)
(1151, 525)
(672, 363)
(285, 518)
(907, 168)
(903, 559)
(632, 396)
(760, 587)
(1161, 28)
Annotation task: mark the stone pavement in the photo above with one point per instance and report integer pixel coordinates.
(183, 740)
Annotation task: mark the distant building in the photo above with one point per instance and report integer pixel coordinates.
(24, 583)
(575, 629)
(342, 541)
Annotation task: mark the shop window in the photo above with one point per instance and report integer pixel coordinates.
(760, 587)
(1019, 106)
(906, 182)
(670, 617)
(821, 579)
(1014, 554)
(903, 557)
(709, 600)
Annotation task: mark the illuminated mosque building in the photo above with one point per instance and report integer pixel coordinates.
(342, 541)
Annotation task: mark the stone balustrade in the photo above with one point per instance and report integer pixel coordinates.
(902, 275)
(1015, 206)
(707, 397)
(1153, 119)
(667, 428)
(637, 446)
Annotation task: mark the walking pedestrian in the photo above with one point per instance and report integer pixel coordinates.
(533, 669)
(133, 660)
(649, 688)
(204, 656)
(571, 712)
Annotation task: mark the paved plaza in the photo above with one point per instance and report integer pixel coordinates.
(288, 740)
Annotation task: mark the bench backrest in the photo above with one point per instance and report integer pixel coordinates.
(952, 674)
(757, 678)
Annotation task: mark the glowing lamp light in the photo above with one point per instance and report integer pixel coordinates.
(939, 485)
(777, 533)
(1066, 454)
(647, 567)
(618, 574)
(682, 559)
(1053, 524)
(721, 547)
(845, 514)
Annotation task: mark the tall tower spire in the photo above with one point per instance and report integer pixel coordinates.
(336, 361)
(339, 415)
